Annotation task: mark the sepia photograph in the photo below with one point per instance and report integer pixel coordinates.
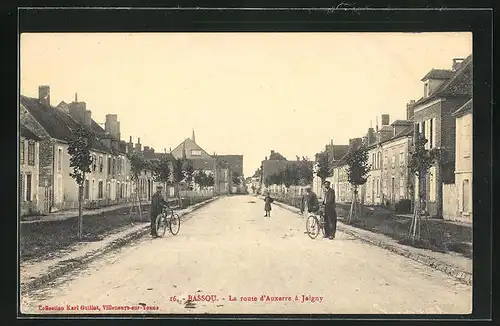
(245, 173)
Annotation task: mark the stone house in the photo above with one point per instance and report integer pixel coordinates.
(28, 171)
(397, 181)
(445, 90)
(109, 180)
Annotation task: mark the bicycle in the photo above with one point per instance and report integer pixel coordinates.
(315, 223)
(167, 219)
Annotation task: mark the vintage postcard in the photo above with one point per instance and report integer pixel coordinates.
(245, 173)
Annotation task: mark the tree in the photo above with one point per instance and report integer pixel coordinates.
(80, 161)
(161, 170)
(290, 175)
(323, 166)
(200, 178)
(357, 174)
(182, 171)
(421, 160)
(188, 172)
(236, 179)
(138, 164)
(305, 171)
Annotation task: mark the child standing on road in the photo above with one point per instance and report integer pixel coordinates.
(267, 206)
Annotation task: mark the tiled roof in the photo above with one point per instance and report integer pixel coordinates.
(235, 162)
(459, 84)
(408, 131)
(26, 133)
(438, 74)
(58, 124)
(466, 108)
(402, 123)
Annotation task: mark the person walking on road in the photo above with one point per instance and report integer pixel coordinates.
(310, 201)
(330, 213)
(267, 206)
(157, 204)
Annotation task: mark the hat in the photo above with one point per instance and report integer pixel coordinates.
(159, 187)
(308, 187)
(326, 183)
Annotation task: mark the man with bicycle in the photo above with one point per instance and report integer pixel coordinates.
(330, 212)
(311, 200)
(157, 206)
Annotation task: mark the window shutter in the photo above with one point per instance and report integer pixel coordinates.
(433, 132)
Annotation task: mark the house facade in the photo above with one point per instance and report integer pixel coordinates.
(444, 92)
(28, 171)
(458, 197)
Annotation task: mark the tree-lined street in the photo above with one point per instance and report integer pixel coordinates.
(228, 249)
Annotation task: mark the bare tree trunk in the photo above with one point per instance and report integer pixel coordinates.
(80, 211)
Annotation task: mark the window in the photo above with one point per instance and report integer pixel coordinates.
(393, 161)
(99, 190)
(195, 152)
(21, 186)
(401, 188)
(94, 163)
(31, 153)
(431, 134)
(59, 159)
(466, 139)
(93, 190)
(100, 163)
(379, 163)
(109, 164)
(385, 160)
(114, 166)
(28, 187)
(378, 187)
(21, 151)
(401, 158)
(87, 190)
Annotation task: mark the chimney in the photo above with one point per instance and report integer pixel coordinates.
(130, 146)
(112, 126)
(376, 124)
(456, 63)
(138, 145)
(385, 120)
(87, 119)
(370, 136)
(77, 111)
(44, 94)
(410, 110)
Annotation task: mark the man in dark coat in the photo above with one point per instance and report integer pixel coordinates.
(330, 213)
(311, 200)
(157, 205)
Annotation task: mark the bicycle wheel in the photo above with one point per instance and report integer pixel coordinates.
(312, 226)
(161, 225)
(321, 226)
(175, 224)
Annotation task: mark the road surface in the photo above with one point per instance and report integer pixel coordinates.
(229, 249)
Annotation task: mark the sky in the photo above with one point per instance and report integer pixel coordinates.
(242, 93)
